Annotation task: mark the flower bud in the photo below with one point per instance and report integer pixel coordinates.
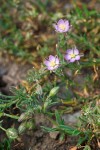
(39, 89)
(46, 105)
(53, 91)
(22, 127)
(12, 133)
(22, 117)
(25, 116)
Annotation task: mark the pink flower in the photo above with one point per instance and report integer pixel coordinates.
(52, 63)
(62, 26)
(72, 55)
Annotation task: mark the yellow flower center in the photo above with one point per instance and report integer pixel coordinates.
(52, 63)
(72, 55)
(62, 26)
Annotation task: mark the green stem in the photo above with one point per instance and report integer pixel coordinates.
(58, 52)
(11, 116)
(2, 128)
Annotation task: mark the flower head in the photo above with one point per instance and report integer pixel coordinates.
(62, 26)
(72, 55)
(52, 63)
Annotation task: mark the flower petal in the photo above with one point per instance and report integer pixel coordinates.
(77, 57)
(51, 58)
(47, 63)
(50, 68)
(76, 51)
(67, 57)
(67, 25)
(57, 60)
(72, 59)
(69, 51)
(61, 21)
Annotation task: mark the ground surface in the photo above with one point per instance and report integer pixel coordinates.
(11, 74)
